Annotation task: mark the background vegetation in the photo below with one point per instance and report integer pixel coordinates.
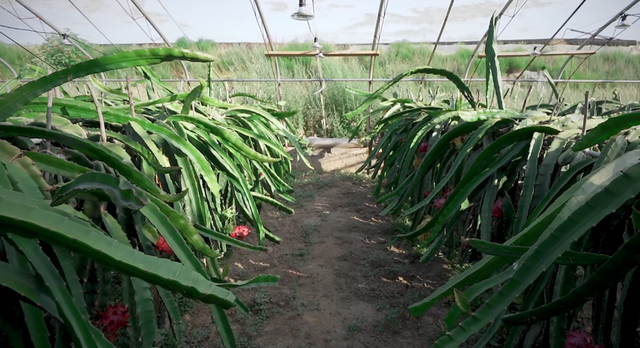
(249, 62)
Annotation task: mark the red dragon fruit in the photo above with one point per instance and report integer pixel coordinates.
(580, 339)
(112, 319)
(240, 232)
(163, 247)
(496, 211)
(424, 147)
(438, 203)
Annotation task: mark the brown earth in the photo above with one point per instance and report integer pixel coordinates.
(343, 281)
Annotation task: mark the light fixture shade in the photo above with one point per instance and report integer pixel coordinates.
(535, 52)
(66, 41)
(302, 14)
(316, 45)
(623, 24)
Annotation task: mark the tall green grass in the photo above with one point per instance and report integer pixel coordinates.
(249, 62)
(15, 56)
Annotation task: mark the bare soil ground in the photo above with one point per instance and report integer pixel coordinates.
(343, 281)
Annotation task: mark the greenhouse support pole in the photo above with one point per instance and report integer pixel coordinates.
(593, 36)
(269, 43)
(15, 74)
(57, 30)
(586, 113)
(164, 38)
(372, 63)
(435, 46)
(552, 37)
(321, 91)
(475, 50)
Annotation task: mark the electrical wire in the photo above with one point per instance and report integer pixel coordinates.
(515, 12)
(26, 49)
(90, 22)
(22, 20)
(551, 38)
(29, 30)
(262, 31)
(598, 49)
(134, 19)
(89, 46)
(384, 15)
(174, 21)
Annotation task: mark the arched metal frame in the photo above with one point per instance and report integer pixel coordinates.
(373, 53)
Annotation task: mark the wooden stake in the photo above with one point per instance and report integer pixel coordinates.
(96, 102)
(586, 113)
(49, 112)
(322, 87)
(526, 98)
(226, 91)
(132, 108)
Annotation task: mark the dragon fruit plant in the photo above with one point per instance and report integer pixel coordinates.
(550, 209)
(136, 190)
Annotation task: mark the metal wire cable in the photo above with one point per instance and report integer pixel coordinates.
(515, 13)
(90, 22)
(551, 38)
(384, 16)
(15, 14)
(22, 19)
(134, 19)
(26, 49)
(598, 49)
(174, 21)
(475, 69)
(29, 30)
(262, 32)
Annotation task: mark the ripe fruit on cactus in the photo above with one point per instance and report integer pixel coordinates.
(112, 319)
(163, 247)
(438, 203)
(424, 147)
(240, 232)
(496, 211)
(580, 339)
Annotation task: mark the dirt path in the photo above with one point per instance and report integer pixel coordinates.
(343, 284)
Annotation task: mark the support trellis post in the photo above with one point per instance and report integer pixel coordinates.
(269, 44)
(374, 48)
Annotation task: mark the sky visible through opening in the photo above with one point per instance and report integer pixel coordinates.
(336, 21)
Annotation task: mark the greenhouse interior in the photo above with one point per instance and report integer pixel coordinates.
(221, 174)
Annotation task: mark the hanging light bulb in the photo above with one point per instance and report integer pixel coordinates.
(316, 45)
(622, 24)
(66, 41)
(302, 14)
